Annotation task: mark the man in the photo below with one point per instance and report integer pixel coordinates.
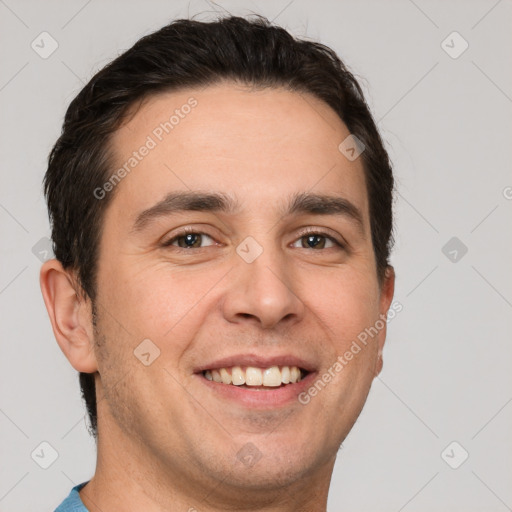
(220, 201)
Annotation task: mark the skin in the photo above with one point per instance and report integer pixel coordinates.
(166, 440)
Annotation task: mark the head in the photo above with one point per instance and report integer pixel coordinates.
(202, 199)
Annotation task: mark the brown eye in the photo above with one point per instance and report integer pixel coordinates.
(313, 241)
(316, 241)
(190, 241)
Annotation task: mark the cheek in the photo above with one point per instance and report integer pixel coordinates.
(155, 301)
(347, 301)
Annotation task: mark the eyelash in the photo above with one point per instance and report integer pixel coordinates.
(313, 231)
(182, 233)
(306, 232)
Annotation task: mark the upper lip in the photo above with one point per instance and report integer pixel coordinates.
(258, 361)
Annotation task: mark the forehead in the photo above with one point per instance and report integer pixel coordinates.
(255, 145)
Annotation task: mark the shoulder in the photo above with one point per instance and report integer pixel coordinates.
(73, 503)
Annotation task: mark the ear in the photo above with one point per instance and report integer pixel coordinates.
(70, 315)
(386, 296)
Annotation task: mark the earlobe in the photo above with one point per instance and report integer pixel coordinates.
(70, 315)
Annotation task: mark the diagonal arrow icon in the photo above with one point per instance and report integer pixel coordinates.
(44, 455)
(146, 352)
(454, 249)
(454, 45)
(249, 252)
(249, 455)
(351, 147)
(42, 249)
(454, 455)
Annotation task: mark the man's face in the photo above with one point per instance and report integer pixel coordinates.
(253, 285)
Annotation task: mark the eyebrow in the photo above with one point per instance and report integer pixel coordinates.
(301, 203)
(186, 201)
(322, 204)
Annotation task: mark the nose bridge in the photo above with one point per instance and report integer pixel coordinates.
(262, 287)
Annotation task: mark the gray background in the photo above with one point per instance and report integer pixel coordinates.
(448, 125)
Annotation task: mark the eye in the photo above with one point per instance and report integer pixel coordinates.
(190, 240)
(316, 240)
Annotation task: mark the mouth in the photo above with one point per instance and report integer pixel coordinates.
(257, 382)
(256, 378)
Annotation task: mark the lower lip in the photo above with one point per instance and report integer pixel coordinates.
(263, 398)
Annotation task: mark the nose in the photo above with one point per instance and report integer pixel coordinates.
(262, 292)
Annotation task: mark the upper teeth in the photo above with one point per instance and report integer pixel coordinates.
(253, 376)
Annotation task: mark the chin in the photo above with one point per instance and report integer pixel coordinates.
(263, 464)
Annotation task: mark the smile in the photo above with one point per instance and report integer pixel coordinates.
(258, 381)
(256, 377)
